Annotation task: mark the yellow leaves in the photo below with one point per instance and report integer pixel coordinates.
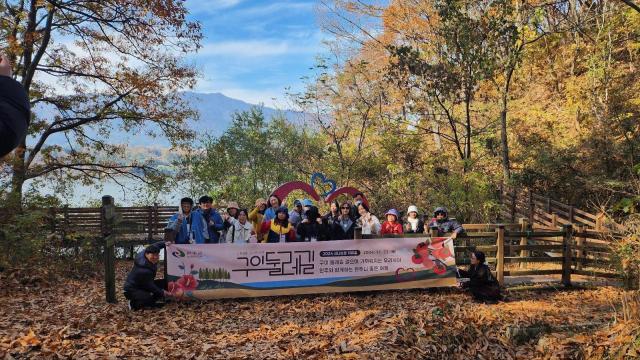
(29, 339)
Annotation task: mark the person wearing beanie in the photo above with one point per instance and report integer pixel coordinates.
(188, 226)
(414, 224)
(278, 229)
(391, 225)
(444, 224)
(141, 288)
(228, 217)
(311, 229)
(214, 221)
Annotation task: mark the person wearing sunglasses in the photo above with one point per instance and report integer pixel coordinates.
(344, 228)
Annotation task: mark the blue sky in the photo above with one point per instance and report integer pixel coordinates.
(254, 49)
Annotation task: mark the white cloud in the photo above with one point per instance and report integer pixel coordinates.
(267, 47)
(209, 6)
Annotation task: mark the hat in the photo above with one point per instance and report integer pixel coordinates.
(297, 202)
(412, 208)
(232, 205)
(440, 210)
(282, 209)
(393, 212)
(307, 202)
(152, 249)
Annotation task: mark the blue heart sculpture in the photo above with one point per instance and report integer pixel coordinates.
(324, 180)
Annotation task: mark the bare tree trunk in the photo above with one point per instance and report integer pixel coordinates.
(506, 165)
(435, 127)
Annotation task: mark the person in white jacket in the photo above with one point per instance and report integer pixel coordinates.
(368, 222)
(241, 230)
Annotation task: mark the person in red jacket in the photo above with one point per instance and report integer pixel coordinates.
(391, 225)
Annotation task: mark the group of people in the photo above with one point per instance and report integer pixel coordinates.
(272, 222)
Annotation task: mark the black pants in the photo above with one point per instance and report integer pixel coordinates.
(141, 299)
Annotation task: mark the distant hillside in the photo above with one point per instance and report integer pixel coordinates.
(215, 109)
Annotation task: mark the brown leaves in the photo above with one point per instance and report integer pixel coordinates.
(71, 320)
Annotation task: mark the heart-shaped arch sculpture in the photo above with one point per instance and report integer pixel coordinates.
(285, 189)
(346, 190)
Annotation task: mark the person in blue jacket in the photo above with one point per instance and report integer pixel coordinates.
(141, 288)
(189, 226)
(214, 221)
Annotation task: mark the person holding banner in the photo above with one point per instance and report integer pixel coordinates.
(344, 227)
(214, 221)
(189, 226)
(241, 230)
(482, 284)
(444, 224)
(278, 230)
(368, 222)
(391, 225)
(141, 288)
(274, 203)
(414, 224)
(256, 216)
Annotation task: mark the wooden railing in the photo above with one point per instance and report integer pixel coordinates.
(544, 212)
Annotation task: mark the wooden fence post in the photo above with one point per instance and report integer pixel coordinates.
(524, 226)
(554, 220)
(531, 207)
(107, 221)
(571, 214)
(580, 240)
(500, 254)
(514, 194)
(65, 221)
(548, 205)
(599, 221)
(567, 254)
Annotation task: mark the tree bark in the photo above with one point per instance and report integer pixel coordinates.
(506, 164)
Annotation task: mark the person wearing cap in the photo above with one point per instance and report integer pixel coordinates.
(391, 225)
(278, 229)
(368, 222)
(189, 226)
(141, 288)
(344, 227)
(444, 224)
(414, 224)
(256, 216)
(231, 214)
(214, 221)
(295, 215)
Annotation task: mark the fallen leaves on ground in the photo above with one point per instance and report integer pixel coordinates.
(70, 319)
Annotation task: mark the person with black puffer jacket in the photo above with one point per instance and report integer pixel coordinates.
(141, 288)
(15, 110)
(312, 229)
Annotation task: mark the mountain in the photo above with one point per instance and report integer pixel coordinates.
(216, 114)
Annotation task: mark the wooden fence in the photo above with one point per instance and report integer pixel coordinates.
(541, 211)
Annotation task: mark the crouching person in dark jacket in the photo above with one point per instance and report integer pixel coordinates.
(141, 288)
(482, 284)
